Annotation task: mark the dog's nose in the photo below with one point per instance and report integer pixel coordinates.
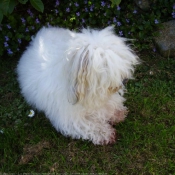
(125, 81)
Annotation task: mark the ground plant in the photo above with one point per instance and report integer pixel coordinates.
(145, 140)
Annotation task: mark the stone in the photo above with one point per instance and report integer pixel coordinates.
(165, 41)
(143, 4)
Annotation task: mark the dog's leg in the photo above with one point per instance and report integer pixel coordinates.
(105, 135)
(116, 115)
(120, 115)
(94, 128)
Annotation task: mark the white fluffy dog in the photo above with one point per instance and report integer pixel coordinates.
(76, 79)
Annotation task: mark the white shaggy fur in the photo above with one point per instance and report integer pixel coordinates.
(76, 79)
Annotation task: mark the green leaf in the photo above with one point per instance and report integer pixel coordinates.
(23, 1)
(141, 27)
(141, 34)
(115, 2)
(1, 16)
(12, 5)
(38, 5)
(4, 5)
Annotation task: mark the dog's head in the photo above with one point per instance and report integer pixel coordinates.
(99, 61)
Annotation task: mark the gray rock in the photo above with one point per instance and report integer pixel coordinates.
(165, 41)
(143, 4)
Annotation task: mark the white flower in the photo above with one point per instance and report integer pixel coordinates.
(1, 131)
(32, 113)
(151, 72)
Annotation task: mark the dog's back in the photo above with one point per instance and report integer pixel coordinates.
(40, 66)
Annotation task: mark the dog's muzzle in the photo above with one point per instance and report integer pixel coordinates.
(125, 81)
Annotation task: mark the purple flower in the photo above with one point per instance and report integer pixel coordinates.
(173, 14)
(129, 33)
(23, 20)
(37, 21)
(102, 3)
(85, 1)
(8, 26)
(86, 10)
(19, 41)
(121, 33)
(174, 6)
(6, 38)
(9, 51)
(56, 11)
(154, 49)
(30, 13)
(127, 20)
(78, 13)
(119, 23)
(68, 9)
(76, 4)
(114, 20)
(135, 11)
(109, 6)
(109, 22)
(33, 27)
(6, 44)
(156, 21)
(118, 7)
(91, 8)
(57, 3)
(27, 30)
(83, 21)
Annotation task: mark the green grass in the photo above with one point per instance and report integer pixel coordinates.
(146, 139)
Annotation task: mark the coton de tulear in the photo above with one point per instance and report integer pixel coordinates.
(76, 79)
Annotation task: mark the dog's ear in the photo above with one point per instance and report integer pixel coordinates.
(78, 74)
(72, 95)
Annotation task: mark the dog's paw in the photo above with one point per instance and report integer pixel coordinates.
(108, 139)
(112, 138)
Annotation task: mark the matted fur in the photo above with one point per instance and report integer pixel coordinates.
(76, 80)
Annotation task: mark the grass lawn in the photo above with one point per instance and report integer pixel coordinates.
(146, 139)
